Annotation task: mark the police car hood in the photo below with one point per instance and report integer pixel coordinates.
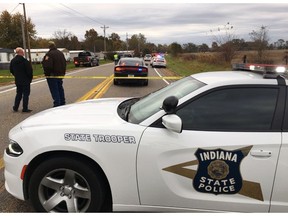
(97, 112)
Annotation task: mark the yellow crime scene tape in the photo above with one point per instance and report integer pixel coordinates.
(99, 90)
(99, 77)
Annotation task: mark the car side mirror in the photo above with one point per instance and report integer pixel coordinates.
(169, 104)
(172, 122)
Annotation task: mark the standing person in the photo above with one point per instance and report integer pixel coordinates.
(54, 64)
(244, 59)
(286, 59)
(115, 58)
(22, 70)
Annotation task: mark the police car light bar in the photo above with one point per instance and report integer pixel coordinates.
(268, 71)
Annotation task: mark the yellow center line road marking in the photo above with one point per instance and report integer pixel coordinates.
(1, 163)
(98, 91)
(104, 77)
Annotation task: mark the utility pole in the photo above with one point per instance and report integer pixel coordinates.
(27, 33)
(104, 28)
(126, 41)
(23, 36)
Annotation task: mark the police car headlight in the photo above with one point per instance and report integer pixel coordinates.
(14, 149)
(280, 69)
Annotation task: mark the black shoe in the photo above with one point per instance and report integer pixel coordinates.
(14, 109)
(27, 110)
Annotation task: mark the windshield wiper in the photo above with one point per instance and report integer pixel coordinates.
(128, 107)
(127, 111)
(124, 108)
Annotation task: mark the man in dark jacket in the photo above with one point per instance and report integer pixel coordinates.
(23, 73)
(54, 65)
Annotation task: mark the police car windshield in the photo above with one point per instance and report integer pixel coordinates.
(152, 103)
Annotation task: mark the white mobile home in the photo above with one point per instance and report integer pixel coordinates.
(37, 55)
(6, 55)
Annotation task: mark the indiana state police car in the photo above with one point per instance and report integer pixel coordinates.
(215, 141)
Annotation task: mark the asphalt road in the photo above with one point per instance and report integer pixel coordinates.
(77, 84)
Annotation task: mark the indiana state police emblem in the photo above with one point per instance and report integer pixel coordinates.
(218, 171)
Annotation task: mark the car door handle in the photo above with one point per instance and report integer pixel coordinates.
(261, 153)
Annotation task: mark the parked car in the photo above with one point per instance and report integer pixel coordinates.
(158, 61)
(147, 57)
(129, 70)
(86, 59)
(214, 141)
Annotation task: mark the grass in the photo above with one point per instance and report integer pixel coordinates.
(37, 72)
(190, 63)
(186, 67)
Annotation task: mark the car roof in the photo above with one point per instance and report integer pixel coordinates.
(131, 59)
(232, 77)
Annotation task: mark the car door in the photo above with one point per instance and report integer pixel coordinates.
(279, 198)
(225, 157)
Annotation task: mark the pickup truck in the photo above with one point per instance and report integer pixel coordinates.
(86, 59)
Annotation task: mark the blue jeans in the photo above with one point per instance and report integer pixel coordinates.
(22, 91)
(57, 91)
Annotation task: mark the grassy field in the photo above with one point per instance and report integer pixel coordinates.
(187, 64)
(271, 56)
(185, 67)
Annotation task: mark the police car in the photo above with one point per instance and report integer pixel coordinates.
(215, 141)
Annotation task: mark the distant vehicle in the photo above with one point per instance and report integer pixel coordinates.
(130, 67)
(148, 57)
(86, 59)
(125, 55)
(158, 61)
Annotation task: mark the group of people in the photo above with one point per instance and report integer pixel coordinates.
(54, 66)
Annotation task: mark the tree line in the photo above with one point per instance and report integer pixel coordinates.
(11, 37)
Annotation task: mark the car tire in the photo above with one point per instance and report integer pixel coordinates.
(115, 82)
(145, 82)
(65, 184)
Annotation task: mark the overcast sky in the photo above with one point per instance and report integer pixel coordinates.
(164, 23)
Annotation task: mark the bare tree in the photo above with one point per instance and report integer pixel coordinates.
(223, 37)
(260, 40)
(62, 38)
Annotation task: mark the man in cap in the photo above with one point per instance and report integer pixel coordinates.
(54, 65)
(22, 70)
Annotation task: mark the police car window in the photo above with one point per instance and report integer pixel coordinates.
(152, 103)
(237, 109)
(130, 63)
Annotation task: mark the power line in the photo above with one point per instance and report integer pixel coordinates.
(15, 8)
(81, 14)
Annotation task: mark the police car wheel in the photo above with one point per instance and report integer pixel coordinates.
(66, 185)
(116, 82)
(145, 83)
